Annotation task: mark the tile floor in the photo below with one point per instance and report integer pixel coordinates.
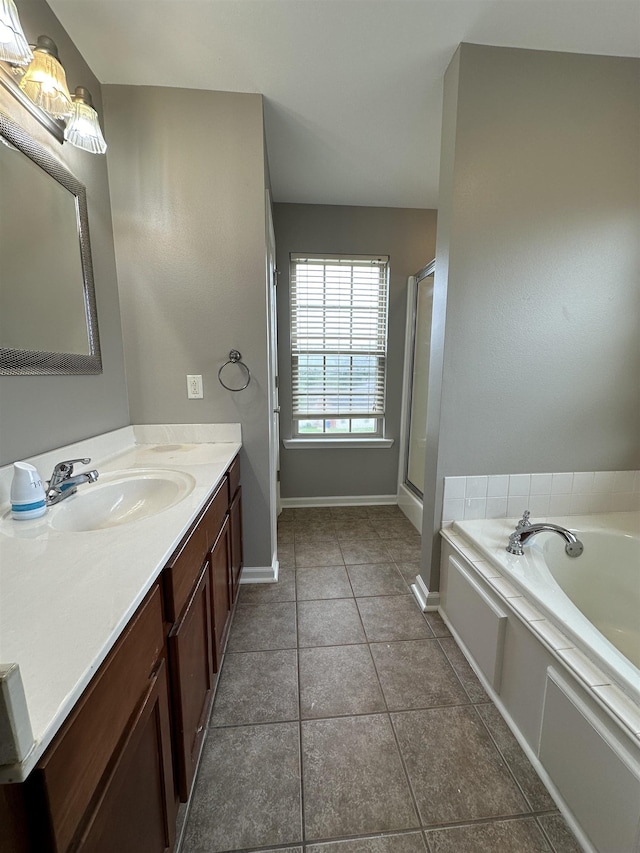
(346, 721)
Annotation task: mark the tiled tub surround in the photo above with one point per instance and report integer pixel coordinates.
(65, 597)
(570, 697)
(348, 721)
(566, 493)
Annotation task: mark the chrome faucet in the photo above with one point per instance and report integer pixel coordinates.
(525, 530)
(62, 484)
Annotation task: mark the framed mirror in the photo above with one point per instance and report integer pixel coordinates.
(48, 318)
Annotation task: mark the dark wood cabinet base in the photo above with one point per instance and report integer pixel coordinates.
(111, 779)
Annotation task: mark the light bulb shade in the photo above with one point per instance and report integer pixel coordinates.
(45, 82)
(13, 44)
(83, 128)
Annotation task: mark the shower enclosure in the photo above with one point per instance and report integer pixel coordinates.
(415, 393)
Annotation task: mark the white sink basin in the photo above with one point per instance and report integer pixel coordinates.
(120, 497)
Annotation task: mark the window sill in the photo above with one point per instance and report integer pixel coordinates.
(335, 443)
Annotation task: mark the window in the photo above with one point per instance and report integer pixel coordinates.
(338, 345)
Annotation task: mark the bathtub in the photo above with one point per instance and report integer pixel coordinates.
(594, 599)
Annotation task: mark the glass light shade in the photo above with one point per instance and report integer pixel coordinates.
(45, 82)
(83, 128)
(13, 44)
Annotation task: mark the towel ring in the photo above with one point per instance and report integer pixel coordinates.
(235, 358)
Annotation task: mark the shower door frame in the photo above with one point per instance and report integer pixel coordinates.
(409, 499)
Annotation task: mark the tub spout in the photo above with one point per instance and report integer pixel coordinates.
(521, 535)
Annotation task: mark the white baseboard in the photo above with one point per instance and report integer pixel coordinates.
(260, 574)
(341, 500)
(426, 600)
(411, 506)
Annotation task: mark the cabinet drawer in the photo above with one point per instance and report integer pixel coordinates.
(185, 566)
(69, 774)
(234, 477)
(183, 570)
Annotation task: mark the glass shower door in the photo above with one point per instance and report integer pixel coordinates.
(419, 389)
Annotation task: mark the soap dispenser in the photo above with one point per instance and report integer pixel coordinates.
(27, 492)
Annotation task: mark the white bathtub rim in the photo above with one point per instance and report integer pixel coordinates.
(488, 538)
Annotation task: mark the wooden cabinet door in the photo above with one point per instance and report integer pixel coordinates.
(192, 679)
(136, 811)
(220, 560)
(235, 522)
(70, 776)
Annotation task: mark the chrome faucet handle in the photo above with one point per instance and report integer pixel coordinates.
(63, 470)
(515, 543)
(69, 463)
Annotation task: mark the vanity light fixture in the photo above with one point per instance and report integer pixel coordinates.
(13, 44)
(45, 82)
(42, 86)
(83, 128)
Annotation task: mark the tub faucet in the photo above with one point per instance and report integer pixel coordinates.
(62, 485)
(525, 530)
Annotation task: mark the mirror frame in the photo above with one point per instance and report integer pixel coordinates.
(31, 362)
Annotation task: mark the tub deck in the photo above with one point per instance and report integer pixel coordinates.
(486, 540)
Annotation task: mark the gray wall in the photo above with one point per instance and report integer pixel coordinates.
(538, 261)
(187, 176)
(39, 413)
(408, 237)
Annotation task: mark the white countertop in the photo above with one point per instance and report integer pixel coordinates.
(65, 597)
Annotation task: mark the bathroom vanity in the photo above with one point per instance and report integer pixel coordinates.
(120, 656)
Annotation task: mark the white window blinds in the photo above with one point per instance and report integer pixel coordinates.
(338, 336)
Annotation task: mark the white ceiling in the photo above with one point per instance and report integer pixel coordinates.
(353, 88)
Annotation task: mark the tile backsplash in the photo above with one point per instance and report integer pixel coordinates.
(508, 495)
